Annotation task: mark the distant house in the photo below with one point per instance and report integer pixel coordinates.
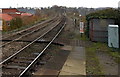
(12, 12)
(7, 18)
(7, 14)
(9, 10)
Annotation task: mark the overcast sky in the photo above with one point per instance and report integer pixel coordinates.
(68, 3)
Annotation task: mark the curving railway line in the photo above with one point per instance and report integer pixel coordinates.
(26, 32)
(16, 42)
(24, 61)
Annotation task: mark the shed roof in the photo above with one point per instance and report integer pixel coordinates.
(104, 14)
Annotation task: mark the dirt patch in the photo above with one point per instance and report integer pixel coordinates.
(69, 48)
(99, 61)
(109, 66)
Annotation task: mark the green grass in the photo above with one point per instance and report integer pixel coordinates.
(115, 54)
(93, 66)
(103, 47)
(92, 63)
(83, 37)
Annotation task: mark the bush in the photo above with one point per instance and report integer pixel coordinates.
(20, 22)
(16, 23)
(106, 13)
(4, 26)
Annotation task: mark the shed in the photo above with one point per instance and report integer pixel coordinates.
(97, 23)
(98, 29)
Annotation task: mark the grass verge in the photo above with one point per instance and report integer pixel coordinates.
(103, 47)
(92, 63)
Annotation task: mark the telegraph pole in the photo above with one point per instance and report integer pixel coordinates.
(119, 5)
(17, 5)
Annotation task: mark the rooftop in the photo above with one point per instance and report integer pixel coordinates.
(6, 17)
(9, 10)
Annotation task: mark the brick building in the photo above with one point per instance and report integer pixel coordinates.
(7, 14)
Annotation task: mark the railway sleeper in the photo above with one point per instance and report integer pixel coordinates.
(33, 68)
(39, 41)
(14, 67)
(16, 61)
(20, 64)
(10, 73)
(28, 58)
(38, 54)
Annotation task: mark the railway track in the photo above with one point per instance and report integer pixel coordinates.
(42, 23)
(24, 60)
(26, 32)
(13, 46)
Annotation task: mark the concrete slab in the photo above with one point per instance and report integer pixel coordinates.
(76, 56)
(76, 62)
(67, 73)
(75, 70)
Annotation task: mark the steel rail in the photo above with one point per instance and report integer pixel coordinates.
(29, 44)
(22, 36)
(31, 27)
(27, 68)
